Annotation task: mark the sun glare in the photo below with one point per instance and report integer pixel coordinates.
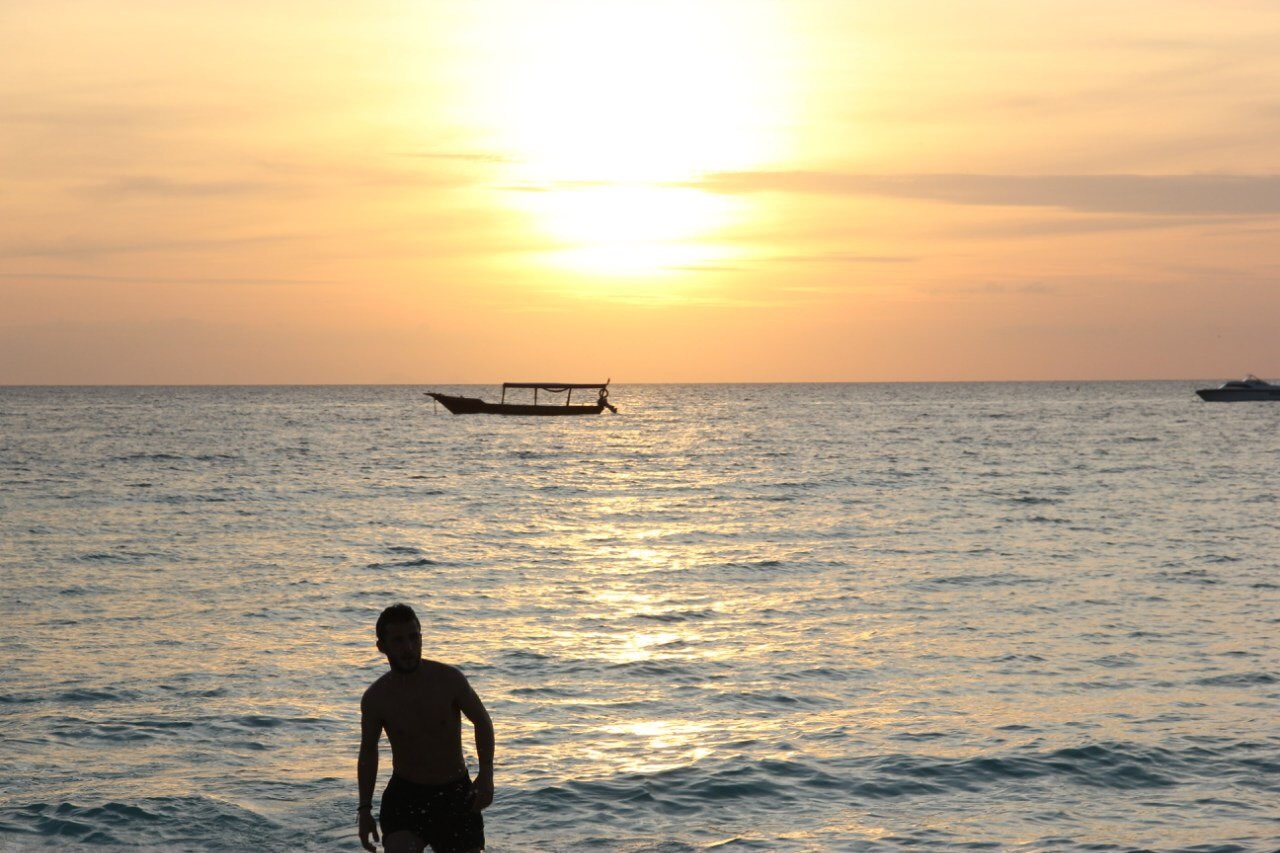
(629, 229)
(608, 110)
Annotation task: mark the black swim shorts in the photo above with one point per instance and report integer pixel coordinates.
(440, 815)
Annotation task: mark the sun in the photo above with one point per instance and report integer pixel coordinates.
(628, 229)
(609, 112)
(633, 92)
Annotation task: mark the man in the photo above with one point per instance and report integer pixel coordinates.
(430, 799)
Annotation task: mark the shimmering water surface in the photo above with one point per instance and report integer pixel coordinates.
(791, 617)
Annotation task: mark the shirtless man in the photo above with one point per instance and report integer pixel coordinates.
(430, 799)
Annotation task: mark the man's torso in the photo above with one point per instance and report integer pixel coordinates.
(419, 713)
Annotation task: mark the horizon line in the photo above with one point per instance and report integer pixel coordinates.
(645, 382)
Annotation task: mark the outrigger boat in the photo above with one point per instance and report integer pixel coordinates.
(476, 406)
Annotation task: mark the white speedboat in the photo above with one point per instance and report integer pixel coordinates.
(1241, 390)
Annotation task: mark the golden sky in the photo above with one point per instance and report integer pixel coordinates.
(440, 191)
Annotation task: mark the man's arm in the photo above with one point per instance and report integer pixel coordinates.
(471, 706)
(367, 769)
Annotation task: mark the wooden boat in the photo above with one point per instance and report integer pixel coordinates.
(476, 406)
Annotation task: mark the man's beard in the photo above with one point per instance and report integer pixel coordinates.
(404, 670)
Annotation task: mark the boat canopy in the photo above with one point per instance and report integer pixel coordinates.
(560, 388)
(556, 387)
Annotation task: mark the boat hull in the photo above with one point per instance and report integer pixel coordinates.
(1238, 395)
(476, 406)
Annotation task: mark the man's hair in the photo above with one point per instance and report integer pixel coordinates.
(395, 613)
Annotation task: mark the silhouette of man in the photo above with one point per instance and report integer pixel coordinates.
(430, 799)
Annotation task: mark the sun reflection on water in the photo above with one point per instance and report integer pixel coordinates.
(651, 746)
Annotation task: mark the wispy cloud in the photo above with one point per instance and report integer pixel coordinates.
(52, 110)
(1073, 223)
(463, 156)
(150, 185)
(840, 258)
(1031, 288)
(822, 258)
(1172, 195)
(707, 268)
(85, 249)
(133, 279)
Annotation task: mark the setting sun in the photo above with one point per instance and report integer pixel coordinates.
(628, 229)
(606, 112)
(632, 92)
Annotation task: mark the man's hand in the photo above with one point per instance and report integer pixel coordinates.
(482, 790)
(369, 827)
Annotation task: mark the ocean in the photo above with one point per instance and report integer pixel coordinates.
(808, 617)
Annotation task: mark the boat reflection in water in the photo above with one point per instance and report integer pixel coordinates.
(476, 406)
(1241, 390)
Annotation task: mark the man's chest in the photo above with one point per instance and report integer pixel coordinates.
(414, 711)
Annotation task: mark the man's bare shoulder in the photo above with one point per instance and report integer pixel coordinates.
(375, 692)
(443, 672)
(439, 669)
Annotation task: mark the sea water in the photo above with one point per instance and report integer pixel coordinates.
(730, 617)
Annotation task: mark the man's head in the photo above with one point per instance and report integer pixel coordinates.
(400, 637)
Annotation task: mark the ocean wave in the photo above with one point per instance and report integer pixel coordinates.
(229, 730)
(677, 615)
(1002, 579)
(524, 658)
(121, 556)
(1116, 661)
(675, 670)
(755, 565)
(819, 673)
(778, 784)
(404, 564)
(1238, 679)
(170, 822)
(195, 692)
(1109, 765)
(545, 692)
(687, 790)
(1018, 658)
(85, 694)
(1192, 576)
(225, 496)
(147, 457)
(776, 701)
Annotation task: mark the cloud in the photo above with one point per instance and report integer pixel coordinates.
(474, 157)
(133, 279)
(1080, 224)
(557, 186)
(150, 185)
(1170, 195)
(708, 268)
(1031, 288)
(76, 249)
(52, 110)
(841, 258)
